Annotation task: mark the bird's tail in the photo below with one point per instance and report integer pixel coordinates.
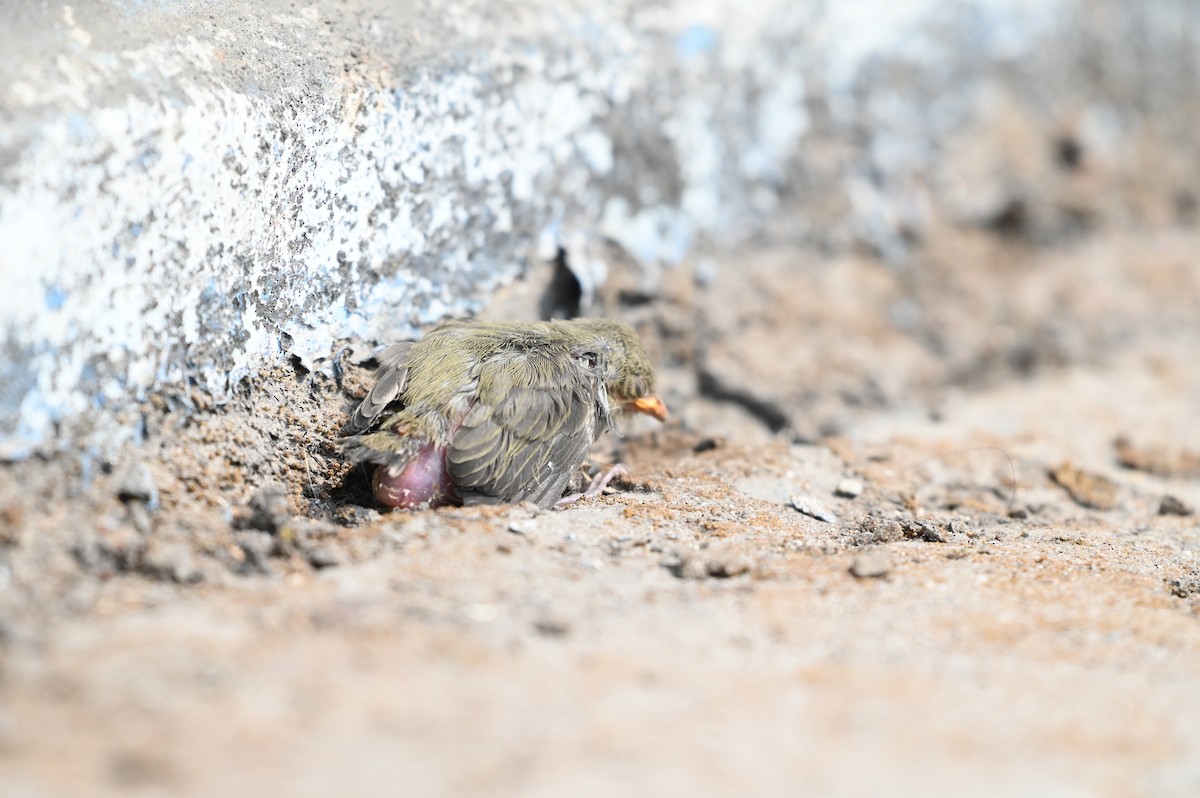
(385, 448)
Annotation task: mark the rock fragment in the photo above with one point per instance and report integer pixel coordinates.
(252, 553)
(872, 563)
(1173, 505)
(1159, 460)
(1087, 488)
(813, 508)
(552, 626)
(172, 562)
(848, 488)
(266, 511)
(715, 562)
(135, 483)
(324, 556)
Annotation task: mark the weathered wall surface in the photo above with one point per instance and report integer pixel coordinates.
(189, 190)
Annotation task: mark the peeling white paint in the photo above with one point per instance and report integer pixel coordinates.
(170, 220)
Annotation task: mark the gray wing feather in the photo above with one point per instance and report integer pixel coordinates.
(524, 444)
(392, 379)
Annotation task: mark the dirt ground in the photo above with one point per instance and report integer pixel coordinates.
(1001, 595)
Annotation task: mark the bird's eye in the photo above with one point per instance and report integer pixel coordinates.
(589, 359)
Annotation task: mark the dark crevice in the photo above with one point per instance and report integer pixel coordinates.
(1012, 219)
(564, 294)
(768, 412)
(1068, 153)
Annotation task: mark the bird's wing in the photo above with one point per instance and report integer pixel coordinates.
(534, 417)
(391, 379)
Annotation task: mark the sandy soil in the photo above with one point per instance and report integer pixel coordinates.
(1003, 597)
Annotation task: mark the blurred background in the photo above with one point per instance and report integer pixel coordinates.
(187, 196)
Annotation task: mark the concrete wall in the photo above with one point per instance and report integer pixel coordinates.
(189, 190)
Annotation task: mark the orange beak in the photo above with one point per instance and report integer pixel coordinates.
(651, 406)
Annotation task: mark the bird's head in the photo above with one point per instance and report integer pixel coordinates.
(627, 372)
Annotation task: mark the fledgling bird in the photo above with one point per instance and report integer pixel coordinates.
(484, 412)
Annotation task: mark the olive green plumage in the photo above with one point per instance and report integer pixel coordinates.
(515, 405)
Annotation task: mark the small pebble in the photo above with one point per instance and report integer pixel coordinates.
(171, 562)
(305, 531)
(1173, 505)
(524, 527)
(481, 613)
(1088, 488)
(255, 549)
(552, 627)
(266, 511)
(325, 556)
(811, 507)
(871, 564)
(134, 483)
(716, 562)
(848, 488)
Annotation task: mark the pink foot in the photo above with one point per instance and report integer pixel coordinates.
(599, 483)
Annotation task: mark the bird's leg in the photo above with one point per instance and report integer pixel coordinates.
(599, 483)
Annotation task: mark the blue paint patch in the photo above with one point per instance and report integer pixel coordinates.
(695, 41)
(79, 125)
(55, 297)
(187, 161)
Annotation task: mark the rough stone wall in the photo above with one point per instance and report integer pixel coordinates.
(191, 190)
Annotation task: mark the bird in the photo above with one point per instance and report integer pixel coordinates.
(489, 412)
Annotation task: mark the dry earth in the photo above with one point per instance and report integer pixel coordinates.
(1003, 599)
